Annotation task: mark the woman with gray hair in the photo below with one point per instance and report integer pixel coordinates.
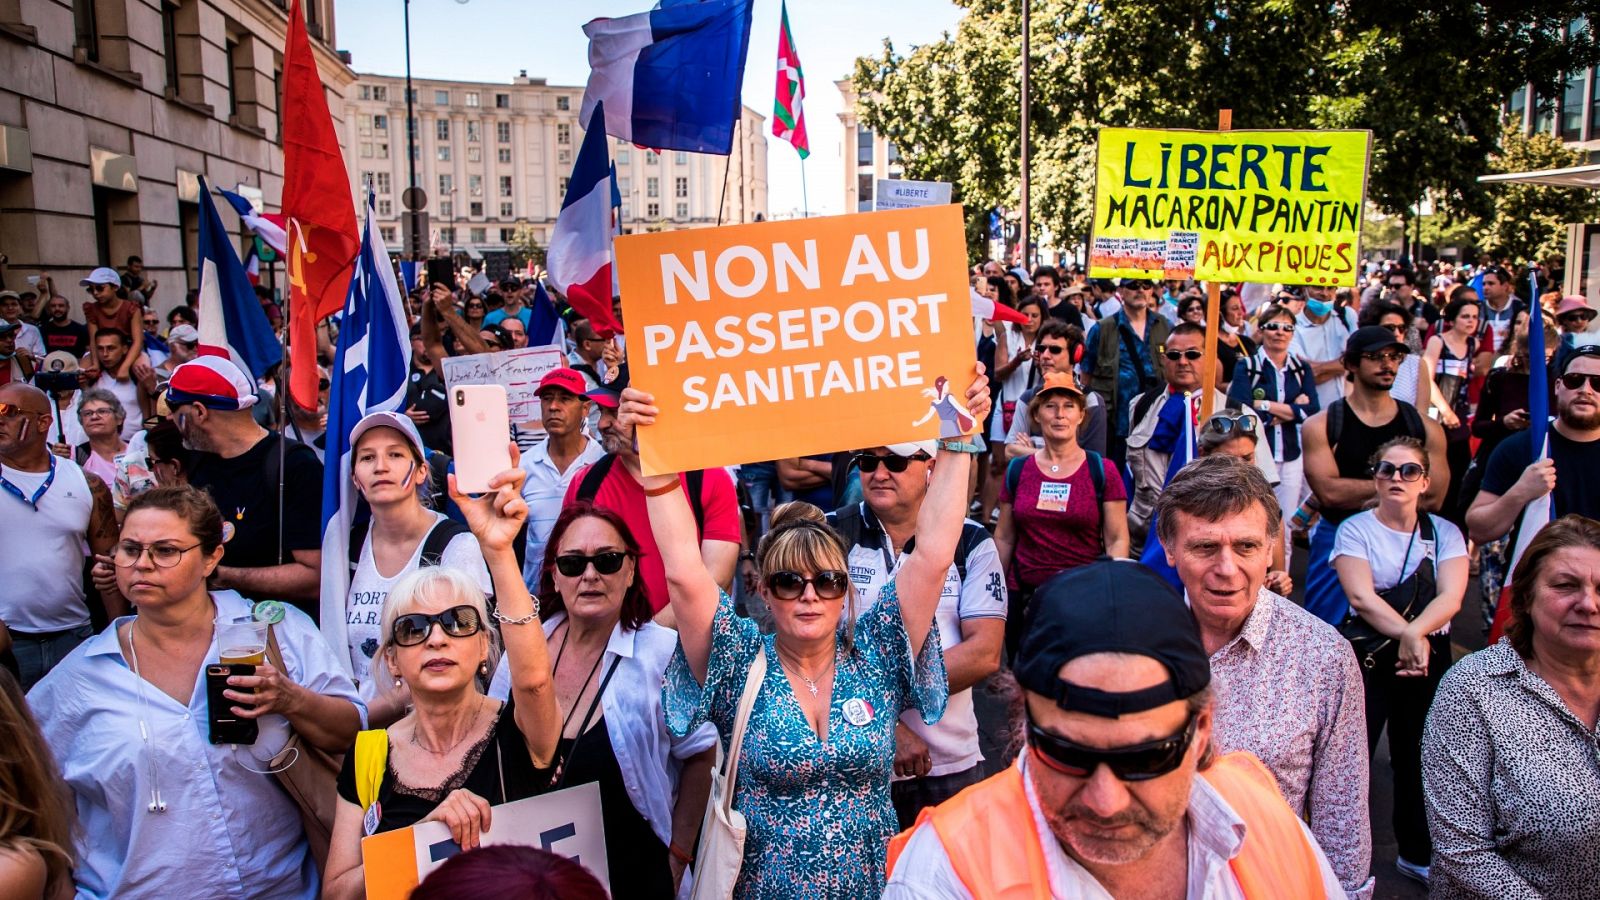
(101, 415)
(456, 751)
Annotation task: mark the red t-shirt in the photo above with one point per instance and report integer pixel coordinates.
(1056, 520)
(624, 495)
(125, 319)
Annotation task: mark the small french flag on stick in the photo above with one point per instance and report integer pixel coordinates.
(984, 308)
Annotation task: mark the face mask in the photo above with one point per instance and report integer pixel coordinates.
(1318, 308)
(1231, 329)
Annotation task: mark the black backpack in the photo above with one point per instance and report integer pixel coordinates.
(693, 480)
(851, 525)
(433, 546)
(1097, 474)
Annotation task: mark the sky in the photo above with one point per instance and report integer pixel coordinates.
(490, 40)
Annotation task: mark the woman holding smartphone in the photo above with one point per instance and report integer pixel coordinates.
(127, 717)
(818, 752)
(457, 752)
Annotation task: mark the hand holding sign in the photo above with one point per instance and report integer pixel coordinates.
(465, 814)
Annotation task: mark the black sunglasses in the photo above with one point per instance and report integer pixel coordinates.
(1573, 381)
(1388, 471)
(868, 462)
(1190, 355)
(830, 584)
(1231, 423)
(1279, 326)
(608, 562)
(457, 621)
(1050, 349)
(1137, 762)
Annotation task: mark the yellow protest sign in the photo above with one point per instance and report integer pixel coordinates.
(1256, 206)
(800, 337)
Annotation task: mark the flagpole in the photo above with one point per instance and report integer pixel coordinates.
(805, 202)
(728, 167)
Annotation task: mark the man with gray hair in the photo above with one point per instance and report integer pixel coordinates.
(1287, 685)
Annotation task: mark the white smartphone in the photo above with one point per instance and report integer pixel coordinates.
(480, 427)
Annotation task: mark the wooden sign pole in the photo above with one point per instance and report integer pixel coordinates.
(1208, 363)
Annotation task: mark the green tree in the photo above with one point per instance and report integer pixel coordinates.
(1529, 221)
(525, 247)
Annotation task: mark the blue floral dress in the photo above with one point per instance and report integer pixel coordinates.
(819, 815)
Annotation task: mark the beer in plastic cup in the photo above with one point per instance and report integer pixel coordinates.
(242, 642)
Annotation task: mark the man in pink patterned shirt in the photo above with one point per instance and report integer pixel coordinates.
(1287, 685)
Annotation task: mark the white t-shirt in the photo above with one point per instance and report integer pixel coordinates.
(369, 589)
(1364, 537)
(1320, 342)
(1405, 379)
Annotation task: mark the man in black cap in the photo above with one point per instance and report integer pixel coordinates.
(1118, 721)
(1338, 446)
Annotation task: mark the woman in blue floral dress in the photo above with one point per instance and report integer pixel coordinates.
(818, 752)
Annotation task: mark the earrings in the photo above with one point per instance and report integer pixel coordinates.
(483, 669)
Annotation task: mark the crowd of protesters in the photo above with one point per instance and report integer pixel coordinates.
(1179, 717)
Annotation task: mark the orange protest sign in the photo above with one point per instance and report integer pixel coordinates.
(800, 337)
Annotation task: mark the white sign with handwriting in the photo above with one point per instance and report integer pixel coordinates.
(518, 371)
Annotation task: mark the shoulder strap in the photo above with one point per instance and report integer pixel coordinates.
(1014, 475)
(372, 756)
(747, 701)
(694, 481)
(1413, 421)
(590, 485)
(1097, 474)
(1336, 411)
(358, 539)
(1141, 407)
(972, 535)
(439, 537)
(847, 522)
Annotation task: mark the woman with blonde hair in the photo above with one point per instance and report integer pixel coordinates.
(36, 817)
(457, 751)
(818, 750)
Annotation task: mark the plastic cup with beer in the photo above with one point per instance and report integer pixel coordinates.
(242, 641)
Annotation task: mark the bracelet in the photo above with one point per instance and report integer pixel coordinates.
(679, 854)
(525, 620)
(663, 490)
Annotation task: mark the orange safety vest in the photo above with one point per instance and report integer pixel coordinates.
(988, 833)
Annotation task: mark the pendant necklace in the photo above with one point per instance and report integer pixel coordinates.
(811, 683)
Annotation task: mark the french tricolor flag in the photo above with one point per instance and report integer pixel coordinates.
(580, 247)
(231, 318)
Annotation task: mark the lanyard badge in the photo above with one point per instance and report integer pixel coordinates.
(33, 501)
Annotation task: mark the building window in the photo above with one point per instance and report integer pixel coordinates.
(652, 210)
(441, 98)
(366, 149)
(412, 95)
(502, 101)
(503, 154)
(651, 158)
(169, 45)
(441, 129)
(502, 132)
(383, 149)
(385, 208)
(472, 98)
(447, 209)
(506, 211)
(680, 187)
(1572, 108)
(1544, 114)
(380, 122)
(683, 211)
(680, 158)
(863, 147)
(474, 154)
(443, 152)
(864, 193)
(478, 235)
(448, 235)
(87, 27)
(365, 93)
(363, 124)
(652, 187)
(447, 183)
(380, 93)
(473, 134)
(475, 185)
(563, 157)
(563, 134)
(561, 186)
(475, 209)
(505, 185)
(563, 103)
(624, 156)
(507, 235)
(625, 187)
(388, 233)
(380, 183)
(230, 49)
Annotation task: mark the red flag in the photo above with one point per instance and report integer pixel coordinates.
(323, 240)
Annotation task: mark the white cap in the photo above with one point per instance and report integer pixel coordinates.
(398, 421)
(185, 333)
(912, 448)
(102, 275)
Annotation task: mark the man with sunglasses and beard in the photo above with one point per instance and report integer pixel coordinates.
(1156, 424)
(932, 762)
(1338, 445)
(1570, 474)
(1120, 790)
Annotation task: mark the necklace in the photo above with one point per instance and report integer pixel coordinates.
(464, 735)
(811, 683)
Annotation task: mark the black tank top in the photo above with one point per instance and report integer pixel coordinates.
(1357, 441)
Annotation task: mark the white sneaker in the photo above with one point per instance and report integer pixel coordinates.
(1411, 869)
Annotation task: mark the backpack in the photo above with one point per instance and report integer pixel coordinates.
(1252, 369)
(693, 480)
(850, 524)
(1114, 339)
(433, 546)
(1408, 413)
(1097, 474)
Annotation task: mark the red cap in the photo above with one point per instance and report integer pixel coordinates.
(565, 378)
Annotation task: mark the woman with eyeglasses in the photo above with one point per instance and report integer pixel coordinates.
(818, 752)
(1056, 511)
(162, 807)
(1405, 573)
(456, 751)
(389, 470)
(1451, 358)
(610, 659)
(1283, 390)
(100, 414)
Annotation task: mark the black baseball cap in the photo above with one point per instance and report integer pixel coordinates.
(1372, 339)
(1111, 606)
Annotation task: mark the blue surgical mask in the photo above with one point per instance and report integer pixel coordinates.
(1318, 308)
